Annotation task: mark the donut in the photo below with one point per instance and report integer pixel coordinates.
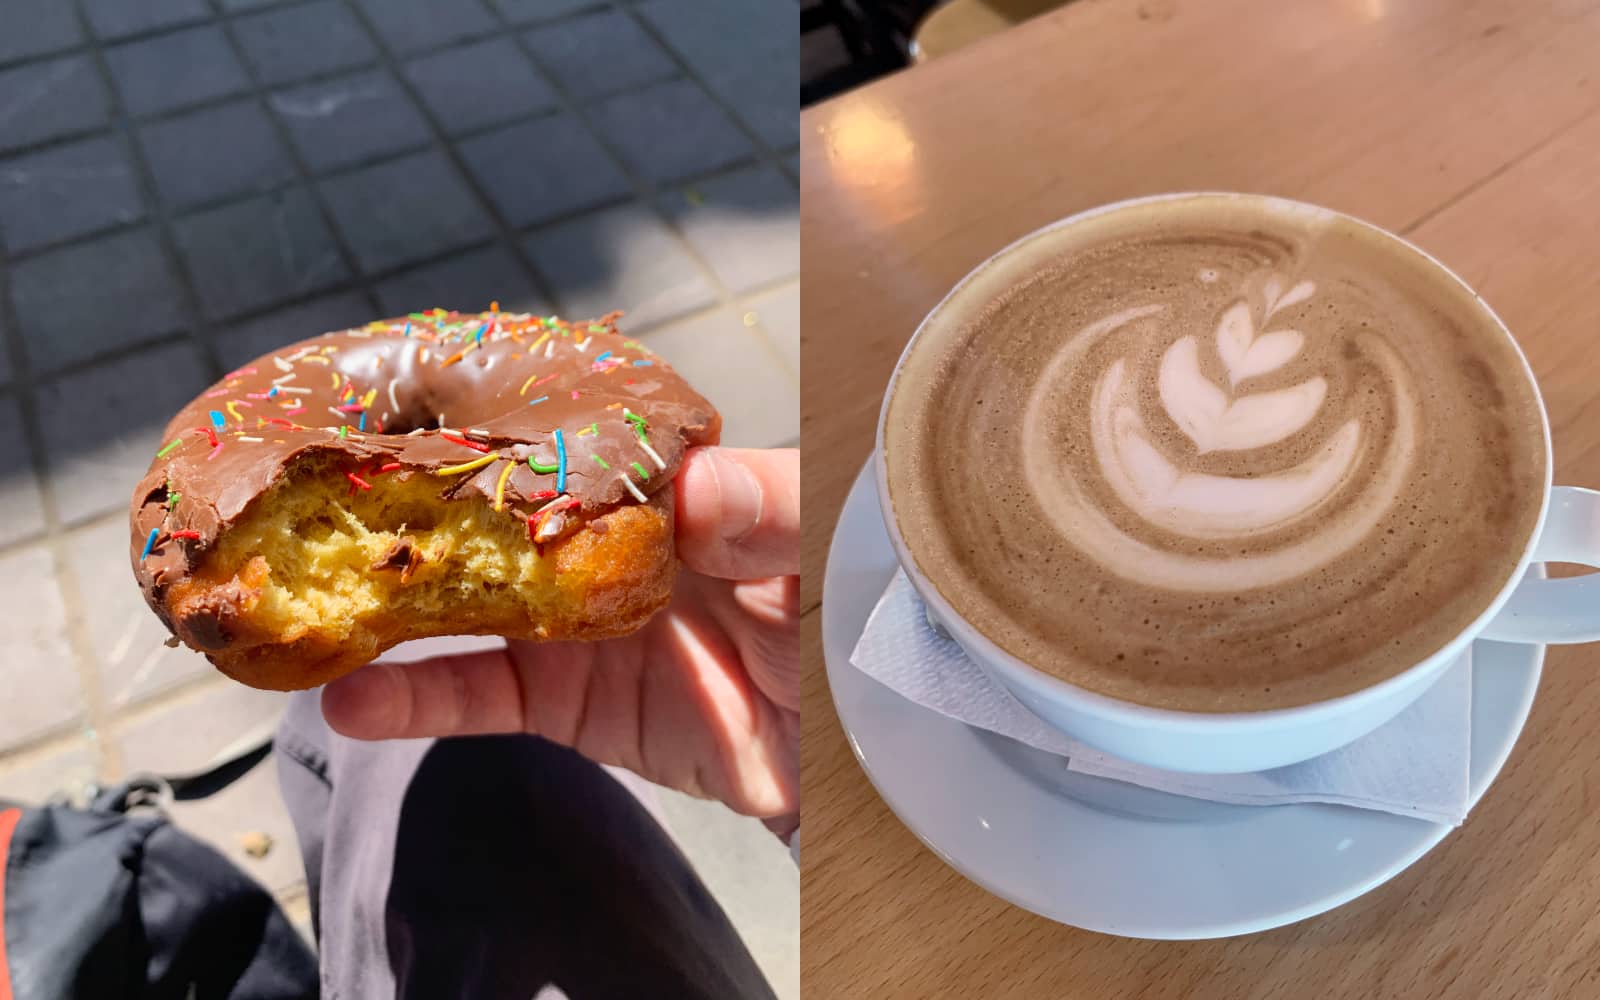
(435, 474)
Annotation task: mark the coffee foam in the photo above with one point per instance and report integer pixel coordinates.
(1215, 458)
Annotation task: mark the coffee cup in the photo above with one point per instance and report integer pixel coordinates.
(1309, 287)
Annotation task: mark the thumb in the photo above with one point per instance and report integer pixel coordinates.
(739, 512)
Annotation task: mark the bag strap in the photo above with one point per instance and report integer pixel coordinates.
(187, 787)
(148, 789)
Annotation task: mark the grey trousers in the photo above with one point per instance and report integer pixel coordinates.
(494, 866)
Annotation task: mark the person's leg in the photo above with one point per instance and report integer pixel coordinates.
(495, 866)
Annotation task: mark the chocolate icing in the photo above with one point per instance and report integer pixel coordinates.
(399, 398)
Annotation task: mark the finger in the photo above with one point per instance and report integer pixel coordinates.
(444, 696)
(739, 512)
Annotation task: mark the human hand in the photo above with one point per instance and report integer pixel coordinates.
(705, 698)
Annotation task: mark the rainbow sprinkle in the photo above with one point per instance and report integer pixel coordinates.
(149, 543)
(218, 420)
(561, 460)
(602, 462)
(163, 452)
(472, 466)
(652, 453)
(500, 487)
(541, 399)
(643, 473)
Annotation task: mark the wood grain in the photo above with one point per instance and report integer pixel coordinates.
(1474, 129)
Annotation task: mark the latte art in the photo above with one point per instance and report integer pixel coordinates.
(1168, 493)
(1213, 455)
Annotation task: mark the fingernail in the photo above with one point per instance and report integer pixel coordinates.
(739, 495)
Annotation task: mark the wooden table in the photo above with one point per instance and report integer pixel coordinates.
(1474, 129)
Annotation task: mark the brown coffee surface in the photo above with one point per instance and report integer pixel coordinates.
(1216, 454)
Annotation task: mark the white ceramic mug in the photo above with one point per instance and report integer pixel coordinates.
(1526, 609)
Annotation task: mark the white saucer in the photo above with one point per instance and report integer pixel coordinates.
(1100, 854)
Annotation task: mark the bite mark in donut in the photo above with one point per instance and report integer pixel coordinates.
(435, 474)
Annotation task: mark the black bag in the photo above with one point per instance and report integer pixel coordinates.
(113, 901)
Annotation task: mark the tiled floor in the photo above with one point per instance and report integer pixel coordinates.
(187, 183)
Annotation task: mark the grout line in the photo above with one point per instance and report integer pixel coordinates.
(262, 95)
(650, 193)
(132, 712)
(505, 234)
(354, 284)
(52, 740)
(25, 392)
(646, 192)
(226, 201)
(160, 221)
(310, 80)
(158, 217)
(92, 41)
(303, 175)
(771, 157)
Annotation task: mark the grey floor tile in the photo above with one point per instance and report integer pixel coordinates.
(66, 191)
(479, 84)
(778, 313)
(81, 300)
(543, 169)
(745, 224)
(19, 490)
(734, 366)
(405, 210)
(669, 132)
(248, 5)
(248, 254)
(126, 638)
(791, 163)
(719, 30)
(746, 53)
(410, 25)
(242, 343)
(182, 154)
(112, 18)
(296, 906)
(467, 281)
(64, 768)
(599, 54)
(103, 425)
(358, 117)
(623, 258)
(51, 25)
(190, 731)
(762, 87)
(305, 40)
(524, 11)
(37, 669)
(47, 99)
(751, 874)
(174, 70)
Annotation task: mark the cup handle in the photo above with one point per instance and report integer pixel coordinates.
(1565, 610)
